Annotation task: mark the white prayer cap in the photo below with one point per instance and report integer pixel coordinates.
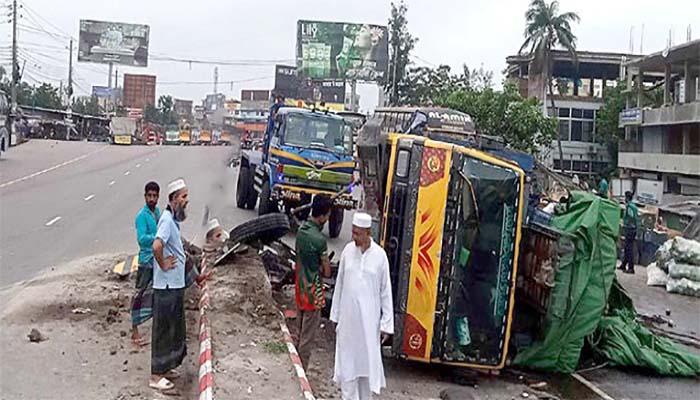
(212, 224)
(362, 220)
(176, 185)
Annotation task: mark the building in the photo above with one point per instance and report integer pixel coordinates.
(183, 109)
(139, 90)
(660, 156)
(578, 94)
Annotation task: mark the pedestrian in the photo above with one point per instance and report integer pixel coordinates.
(629, 224)
(603, 188)
(311, 260)
(363, 311)
(169, 328)
(146, 228)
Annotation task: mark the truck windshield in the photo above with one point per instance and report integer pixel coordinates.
(484, 253)
(317, 131)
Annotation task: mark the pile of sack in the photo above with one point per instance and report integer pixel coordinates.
(677, 267)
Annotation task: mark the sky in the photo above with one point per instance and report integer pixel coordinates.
(476, 33)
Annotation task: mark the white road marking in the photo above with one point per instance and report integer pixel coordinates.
(138, 165)
(592, 386)
(148, 159)
(53, 221)
(111, 183)
(43, 171)
(89, 197)
(127, 173)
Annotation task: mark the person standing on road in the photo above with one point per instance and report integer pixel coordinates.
(169, 327)
(312, 259)
(603, 188)
(146, 227)
(630, 222)
(363, 311)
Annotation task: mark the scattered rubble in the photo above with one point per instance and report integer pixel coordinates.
(36, 337)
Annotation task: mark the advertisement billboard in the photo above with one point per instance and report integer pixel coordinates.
(337, 50)
(113, 42)
(286, 81)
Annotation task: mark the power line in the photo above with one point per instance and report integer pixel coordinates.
(212, 82)
(31, 10)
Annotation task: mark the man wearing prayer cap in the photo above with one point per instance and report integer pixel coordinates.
(363, 311)
(168, 336)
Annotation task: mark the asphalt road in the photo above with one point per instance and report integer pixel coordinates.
(65, 200)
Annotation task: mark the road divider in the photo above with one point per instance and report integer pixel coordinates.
(298, 367)
(126, 267)
(206, 370)
(53, 221)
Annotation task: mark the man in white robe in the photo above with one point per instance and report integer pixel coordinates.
(363, 311)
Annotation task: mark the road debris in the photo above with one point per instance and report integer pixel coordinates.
(36, 337)
(81, 310)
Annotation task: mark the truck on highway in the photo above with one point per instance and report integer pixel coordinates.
(185, 137)
(304, 153)
(123, 130)
(172, 136)
(205, 138)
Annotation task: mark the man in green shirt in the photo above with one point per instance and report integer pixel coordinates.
(312, 259)
(603, 188)
(630, 223)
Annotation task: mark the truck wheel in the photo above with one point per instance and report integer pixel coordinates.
(267, 205)
(335, 223)
(266, 228)
(243, 187)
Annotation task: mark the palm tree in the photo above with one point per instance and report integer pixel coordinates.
(545, 30)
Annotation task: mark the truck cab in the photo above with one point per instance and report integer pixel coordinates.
(304, 153)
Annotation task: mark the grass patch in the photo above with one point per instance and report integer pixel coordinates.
(275, 347)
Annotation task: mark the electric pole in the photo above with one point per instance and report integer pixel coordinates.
(216, 80)
(69, 89)
(15, 72)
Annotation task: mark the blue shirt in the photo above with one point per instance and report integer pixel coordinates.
(169, 234)
(146, 227)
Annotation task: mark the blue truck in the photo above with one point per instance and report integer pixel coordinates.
(304, 153)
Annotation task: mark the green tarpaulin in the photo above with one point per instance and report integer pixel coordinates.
(585, 304)
(582, 283)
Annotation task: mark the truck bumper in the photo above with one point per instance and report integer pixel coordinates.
(294, 194)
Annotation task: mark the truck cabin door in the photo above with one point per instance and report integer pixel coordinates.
(273, 136)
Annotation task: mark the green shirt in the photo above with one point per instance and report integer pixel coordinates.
(310, 247)
(631, 219)
(603, 188)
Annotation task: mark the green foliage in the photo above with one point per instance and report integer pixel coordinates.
(151, 114)
(44, 95)
(608, 116)
(401, 43)
(47, 96)
(505, 114)
(275, 347)
(164, 114)
(86, 106)
(426, 85)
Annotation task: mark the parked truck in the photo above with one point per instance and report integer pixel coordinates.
(304, 153)
(123, 130)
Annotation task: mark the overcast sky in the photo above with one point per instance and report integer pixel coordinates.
(450, 32)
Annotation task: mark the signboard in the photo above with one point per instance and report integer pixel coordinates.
(337, 50)
(286, 81)
(632, 116)
(650, 192)
(113, 42)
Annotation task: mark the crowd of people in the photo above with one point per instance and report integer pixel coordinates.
(362, 310)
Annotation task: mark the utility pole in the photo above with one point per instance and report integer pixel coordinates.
(15, 73)
(116, 78)
(216, 80)
(69, 89)
(109, 75)
(394, 98)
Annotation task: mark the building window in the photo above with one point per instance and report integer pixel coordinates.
(587, 131)
(564, 129)
(576, 131)
(564, 112)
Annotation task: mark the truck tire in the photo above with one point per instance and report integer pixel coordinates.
(335, 222)
(266, 228)
(246, 197)
(267, 205)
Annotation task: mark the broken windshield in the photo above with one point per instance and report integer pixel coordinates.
(482, 274)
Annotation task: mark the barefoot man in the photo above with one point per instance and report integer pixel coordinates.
(168, 337)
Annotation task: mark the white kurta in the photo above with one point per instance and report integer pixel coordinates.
(362, 308)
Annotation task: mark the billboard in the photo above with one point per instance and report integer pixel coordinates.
(336, 50)
(113, 42)
(286, 81)
(292, 86)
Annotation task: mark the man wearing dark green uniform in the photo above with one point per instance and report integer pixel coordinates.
(630, 223)
(312, 259)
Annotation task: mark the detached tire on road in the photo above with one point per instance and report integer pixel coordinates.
(246, 197)
(335, 222)
(266, 228)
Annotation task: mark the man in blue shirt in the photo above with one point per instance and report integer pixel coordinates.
(630, 222)
(146, 227)
(168, 336)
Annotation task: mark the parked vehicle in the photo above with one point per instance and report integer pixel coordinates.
(123, 130)
(185, 137)
(304, 153)
(172, 137)
(5, 123)
(205, 138)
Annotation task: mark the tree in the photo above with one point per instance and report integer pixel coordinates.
(166, 110)
(545, 30)
(505, 114)
(426, 85)
(47, 96)
(86, 106)
(401, 43)
(151, 114)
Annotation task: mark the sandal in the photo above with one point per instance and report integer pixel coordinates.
(172, 374)
(140, 341)
(163, 384)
